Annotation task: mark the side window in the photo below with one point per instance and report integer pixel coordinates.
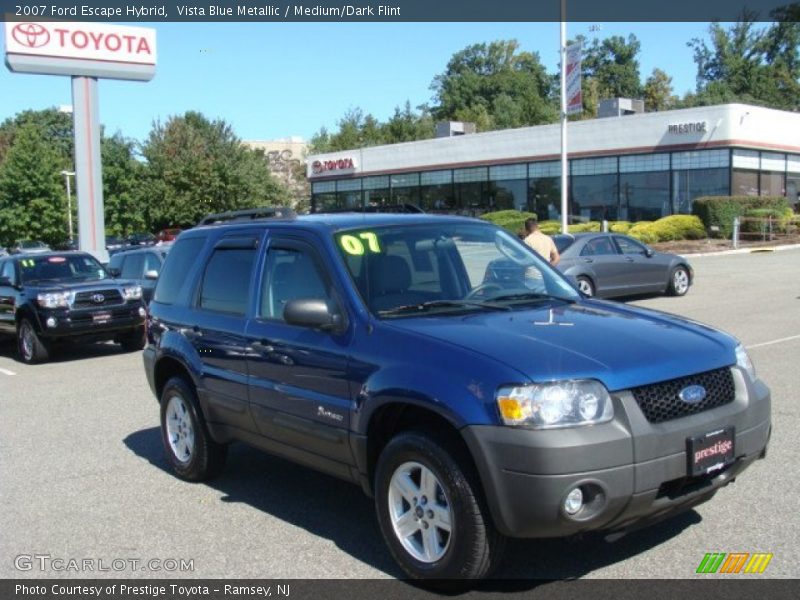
(629, 246)
(132, 267)
(226, 281)
(8, 271)
(176, 268)
(290, 274)
(151, 262)
(116, 261)
(599, 246)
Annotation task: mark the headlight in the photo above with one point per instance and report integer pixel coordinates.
(743, 361)
(133, 292)
(560, 404)
(53, 300)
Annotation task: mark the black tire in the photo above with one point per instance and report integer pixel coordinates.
(30, 347)
(585, 285)
(474, 547)
(204, 458)
(679, 281)
(133, 341)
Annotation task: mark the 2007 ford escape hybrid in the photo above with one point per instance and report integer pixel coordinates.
(473, 401)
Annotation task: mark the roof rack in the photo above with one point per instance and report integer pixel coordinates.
(388, 208)
(249, 214)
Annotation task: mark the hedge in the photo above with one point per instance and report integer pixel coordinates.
(512, 220)
(719, 211)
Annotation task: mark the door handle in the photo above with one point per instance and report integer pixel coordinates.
(192, 332)
(629, 259)
(587, 260)
(263, 346)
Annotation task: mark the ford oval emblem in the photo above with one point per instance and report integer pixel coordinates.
(694, 394)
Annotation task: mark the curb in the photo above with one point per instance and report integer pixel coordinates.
(758, 250)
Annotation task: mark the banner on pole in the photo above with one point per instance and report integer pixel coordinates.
(574, 95)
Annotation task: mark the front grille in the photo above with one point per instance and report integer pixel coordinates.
(660, 402)
(111, 297)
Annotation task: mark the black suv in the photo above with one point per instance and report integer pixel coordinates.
(66, 296)
(473, 406)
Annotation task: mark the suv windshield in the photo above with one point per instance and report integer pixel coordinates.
(60, 268)
(446, 268)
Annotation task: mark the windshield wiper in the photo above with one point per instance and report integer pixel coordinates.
(425, 306)
(521, 297)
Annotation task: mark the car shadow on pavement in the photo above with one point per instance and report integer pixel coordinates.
(339, 511)
(66, 352)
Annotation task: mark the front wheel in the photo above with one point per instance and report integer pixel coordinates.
(431, 510)
(191, 452)
(30, 346)
(585, 286)
(678, 282)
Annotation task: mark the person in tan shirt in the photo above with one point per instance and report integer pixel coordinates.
(542, 243)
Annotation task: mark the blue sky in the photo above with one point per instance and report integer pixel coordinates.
(289, 79)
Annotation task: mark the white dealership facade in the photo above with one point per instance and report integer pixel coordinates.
(635, 167)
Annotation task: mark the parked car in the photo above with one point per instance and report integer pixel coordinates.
(50, 298)
(115, 243)
(139, 266)
(3, 252)
(29, 247)
(168, 235)
(141, 239)
(610, 264)
(373, 348)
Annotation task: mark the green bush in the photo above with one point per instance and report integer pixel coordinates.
(511, 220)
(679, 227)
(550, 227)
(584, 227)
(782, 221)
(719, 211)
(620, 226)
(643, 231)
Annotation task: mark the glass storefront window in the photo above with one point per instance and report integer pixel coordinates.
(436, 191)
(471, 190)
(772, 184)
(544, 198)
(644, 196)
(508, 194)
(745, 183)
(689, 184)
(595, 197)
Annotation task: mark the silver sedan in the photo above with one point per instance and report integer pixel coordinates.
(611, 264)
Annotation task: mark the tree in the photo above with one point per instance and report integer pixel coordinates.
(657, 92)
(55, 126)
(33, 200)
(407, 126)
(611, 69)
(196, 167)
(495, 85)
(123, 176)
(750, 63)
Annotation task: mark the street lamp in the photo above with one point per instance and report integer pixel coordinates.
(67, 175)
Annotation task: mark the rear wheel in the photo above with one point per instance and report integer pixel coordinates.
(192, 453)
(585, 286)
(30, 346)
(431, 511)
(678, 282)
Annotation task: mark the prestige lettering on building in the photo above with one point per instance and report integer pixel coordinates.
(680, 128)
(83, 41)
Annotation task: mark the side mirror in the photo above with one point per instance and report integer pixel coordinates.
(312, 312)
(649, 252)
(114, 272)
(5, 281)
(151, 274)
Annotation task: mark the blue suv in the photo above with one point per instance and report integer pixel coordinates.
(388, 350)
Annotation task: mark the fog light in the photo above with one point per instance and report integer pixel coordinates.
(51, 321)
(142, 312)
(574, 501)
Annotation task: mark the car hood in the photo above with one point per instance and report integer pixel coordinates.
(619, 345)
(79, 287)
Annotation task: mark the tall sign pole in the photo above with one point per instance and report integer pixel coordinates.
(564, 165)
(86, 52)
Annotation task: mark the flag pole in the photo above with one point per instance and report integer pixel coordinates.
(564, 166)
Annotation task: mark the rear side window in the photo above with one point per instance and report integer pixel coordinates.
(176, 268)
(132, 267)
(226, 281)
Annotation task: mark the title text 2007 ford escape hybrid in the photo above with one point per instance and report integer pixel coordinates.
(474, 401)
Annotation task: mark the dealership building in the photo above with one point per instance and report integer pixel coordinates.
(634, 167)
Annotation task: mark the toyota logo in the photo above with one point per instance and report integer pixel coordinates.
(31, 35)
(98, 298)
(694, 394)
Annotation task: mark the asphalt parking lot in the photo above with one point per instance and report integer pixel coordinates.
(82, 473)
